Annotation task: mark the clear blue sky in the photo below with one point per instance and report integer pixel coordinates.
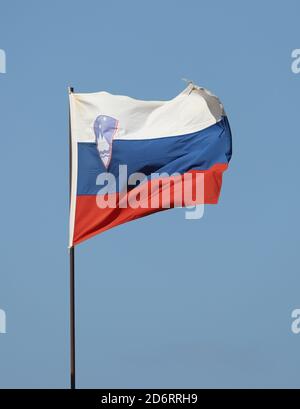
(162, 301)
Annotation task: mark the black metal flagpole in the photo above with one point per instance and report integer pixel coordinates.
(72, 273)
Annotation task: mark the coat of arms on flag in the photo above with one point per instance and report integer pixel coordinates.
(105, 128)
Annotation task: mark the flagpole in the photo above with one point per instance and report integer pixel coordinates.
(72, 273)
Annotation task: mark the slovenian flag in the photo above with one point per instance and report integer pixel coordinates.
(131, 158)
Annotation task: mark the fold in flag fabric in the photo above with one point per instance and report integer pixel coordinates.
(131, 158)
